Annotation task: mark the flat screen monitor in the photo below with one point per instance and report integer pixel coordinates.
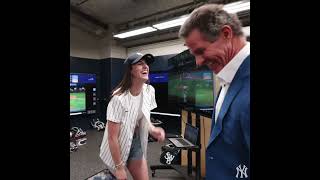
(194, 88)
(83, 97)
(158, 77)
(77, 102)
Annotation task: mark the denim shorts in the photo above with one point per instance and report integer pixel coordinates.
(135, 150)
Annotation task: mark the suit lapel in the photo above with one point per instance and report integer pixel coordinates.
(231, 94)
(233, 90)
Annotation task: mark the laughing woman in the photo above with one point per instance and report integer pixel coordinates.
(125, 139)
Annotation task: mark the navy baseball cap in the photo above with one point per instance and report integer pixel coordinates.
(136, 57)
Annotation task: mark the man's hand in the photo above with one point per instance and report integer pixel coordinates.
(158, 133)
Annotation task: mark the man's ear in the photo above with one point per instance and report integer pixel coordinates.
(226, 32)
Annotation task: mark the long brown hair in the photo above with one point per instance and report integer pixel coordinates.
(125, 83)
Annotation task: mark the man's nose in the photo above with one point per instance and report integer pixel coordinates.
(199, 60)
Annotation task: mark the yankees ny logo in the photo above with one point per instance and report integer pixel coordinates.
(168, 157)
(243, 171)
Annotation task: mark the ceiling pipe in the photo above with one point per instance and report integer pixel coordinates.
(159, 12)
(76, 11)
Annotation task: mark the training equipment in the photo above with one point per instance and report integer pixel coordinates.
(97, 124)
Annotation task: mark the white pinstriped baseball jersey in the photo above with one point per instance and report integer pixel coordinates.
(120, 110)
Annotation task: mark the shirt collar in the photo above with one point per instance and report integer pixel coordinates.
(228, 72)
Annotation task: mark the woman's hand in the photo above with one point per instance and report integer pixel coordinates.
(158, 133)
(121, 173)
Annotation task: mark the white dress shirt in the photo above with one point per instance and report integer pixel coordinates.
(227, 74)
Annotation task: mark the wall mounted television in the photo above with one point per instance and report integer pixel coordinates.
(159, 77)
(83, 93)
(188, 85)
(193, 88)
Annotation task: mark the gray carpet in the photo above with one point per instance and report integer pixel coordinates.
(85, 161)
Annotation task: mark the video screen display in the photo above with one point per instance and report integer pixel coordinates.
(83, 95)
(158, 77)
(77, 101)
(193, 88)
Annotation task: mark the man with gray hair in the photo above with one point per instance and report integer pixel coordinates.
(216, 40)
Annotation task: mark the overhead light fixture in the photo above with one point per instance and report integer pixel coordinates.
(171, 23)
(237, 6)
(135, 32)
(230, 8)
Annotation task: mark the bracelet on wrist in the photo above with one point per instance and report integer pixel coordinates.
(119, 165)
